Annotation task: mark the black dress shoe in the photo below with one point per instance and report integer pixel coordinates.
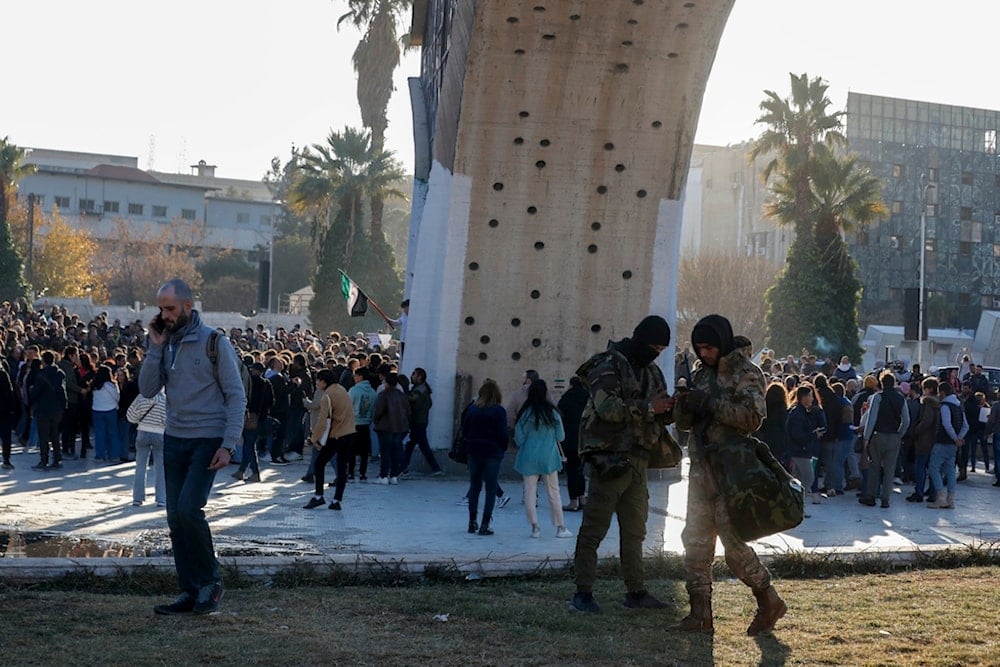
(867, 500)
(473, 527)
(314, 502)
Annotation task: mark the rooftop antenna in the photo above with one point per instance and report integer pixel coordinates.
(151, 153)
(182, 156)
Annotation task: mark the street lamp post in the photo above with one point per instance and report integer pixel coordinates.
(921, 303)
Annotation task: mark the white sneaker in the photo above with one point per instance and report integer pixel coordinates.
(503, 500)
(394, 480)
(294, 456)
(463, 501)
(383, 480)
(563, 532)
(536, 532)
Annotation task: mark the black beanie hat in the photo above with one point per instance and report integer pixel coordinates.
(653, 330)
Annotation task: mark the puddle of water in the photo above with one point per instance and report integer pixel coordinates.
(17, 544)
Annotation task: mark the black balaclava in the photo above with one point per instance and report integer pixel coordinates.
(714, 330)
(653, 330)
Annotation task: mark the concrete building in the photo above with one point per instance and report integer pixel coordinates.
(553, 143)
(945, 157)
(93, 190)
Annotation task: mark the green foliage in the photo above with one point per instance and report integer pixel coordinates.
(225, 264)
(12, 284)
(814, 303)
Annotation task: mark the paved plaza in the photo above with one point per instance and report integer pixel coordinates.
(85, 510)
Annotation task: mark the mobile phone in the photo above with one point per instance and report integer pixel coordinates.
(158, 324)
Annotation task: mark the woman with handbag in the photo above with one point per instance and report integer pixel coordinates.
(537, 433)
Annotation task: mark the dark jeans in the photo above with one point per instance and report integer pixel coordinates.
(6, 425)
(418, 438)
(920, 476)
(85, 418)
(189, 481)
(48, 436)
(362, 448)
(276, 435)
(576, 483)
(249, 457)
(339, 447)
(70, 427)
(295, 434)
(391, 460)
(483, 471)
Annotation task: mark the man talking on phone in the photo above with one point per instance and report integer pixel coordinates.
(205, 409)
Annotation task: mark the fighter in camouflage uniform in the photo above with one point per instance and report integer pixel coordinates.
(625, 418)
(726, 398)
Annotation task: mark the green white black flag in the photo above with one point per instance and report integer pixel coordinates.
(357, 302)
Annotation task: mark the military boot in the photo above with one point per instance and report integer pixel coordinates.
(770, 607)
(700, 618)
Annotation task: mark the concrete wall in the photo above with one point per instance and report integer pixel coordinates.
(562, 139)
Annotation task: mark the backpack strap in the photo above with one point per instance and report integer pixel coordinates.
(212, 350)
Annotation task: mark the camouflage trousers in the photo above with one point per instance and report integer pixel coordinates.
(707, 519)
(627, 496)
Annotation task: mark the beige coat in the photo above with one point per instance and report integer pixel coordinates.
(338, 410)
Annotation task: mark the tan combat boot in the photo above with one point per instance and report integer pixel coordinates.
(770, 607)
(700, 618)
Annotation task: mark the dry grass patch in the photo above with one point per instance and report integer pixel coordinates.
(930, 617)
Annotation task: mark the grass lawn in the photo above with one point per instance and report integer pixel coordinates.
(925, 617)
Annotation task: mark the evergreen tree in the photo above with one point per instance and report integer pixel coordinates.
(333, 180)
(12, 283)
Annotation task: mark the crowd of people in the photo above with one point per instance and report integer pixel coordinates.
(839, 430)
(338, 401)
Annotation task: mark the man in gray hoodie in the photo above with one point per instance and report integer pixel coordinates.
(204, 424)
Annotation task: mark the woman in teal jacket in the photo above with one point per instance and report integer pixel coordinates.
(537, 435)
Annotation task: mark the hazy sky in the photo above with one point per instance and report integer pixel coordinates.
(236, 82)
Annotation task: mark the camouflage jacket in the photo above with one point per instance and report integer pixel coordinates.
(617, 417)
(737, 389)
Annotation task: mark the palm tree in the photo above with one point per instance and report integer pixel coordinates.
(797, 129)
(332, 181)
(815, 299)
(375, 59)
(12, 169)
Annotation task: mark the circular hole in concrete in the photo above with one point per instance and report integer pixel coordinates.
(621, 68)
(535, 294)
(540, 164)
(470, 320)
(640, 194)
(592, 248)
(473, 266)
(633, 22)
(548, 36)
(532, 210)
(602, 189)
(688, 5)
(485, 340)
(574, 17)
(638, 2)
(498, 186)
(627, 275)
(523, 114)
(609, 146)
(682, 26)
(671, 55)
(515, 322)
(493, 223)
(518, 141)
(511, 19)
(539, 8)
(595, 226)
(519, 52)
(657, 124)
(595, 327)
(619, 168)
(627, 42)
(544, 142)
(516, 356)
(483, 356)
(539, 245)
(536, 342)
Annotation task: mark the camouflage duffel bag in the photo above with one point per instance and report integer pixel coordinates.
(761, 497)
